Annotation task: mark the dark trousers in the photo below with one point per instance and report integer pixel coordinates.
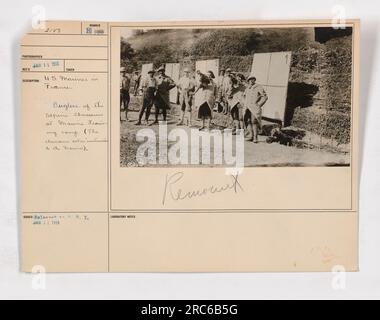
(146, 106)
(159, 104)
(237, 113)
(247, 117)
(136, 88)
(124, 98)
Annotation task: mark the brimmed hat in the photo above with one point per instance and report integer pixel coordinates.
(228, 70)
(122, 69)
(186, 70)
(162, 68)
(241, 76)
(151, 71)
(251, 77)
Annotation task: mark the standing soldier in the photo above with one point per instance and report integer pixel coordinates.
(162, 101)
(125, 83)
(236, 102)
(211, 76)
(219, 96)
(149, 87)
(254, 100)
(226, 90)
(186, 87)
(136, 82)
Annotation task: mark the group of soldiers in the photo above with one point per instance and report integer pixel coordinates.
(231, 94)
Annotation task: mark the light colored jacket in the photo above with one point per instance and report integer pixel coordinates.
(227, 86)
(254, 99)
(151, 84)
(125, 82)
(186, 86)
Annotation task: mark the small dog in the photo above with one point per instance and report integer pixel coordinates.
(276, 135)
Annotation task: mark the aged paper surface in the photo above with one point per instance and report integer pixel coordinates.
(89, 205)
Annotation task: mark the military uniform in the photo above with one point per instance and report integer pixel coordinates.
(162, 101)
(186, 87)
(254, 99)
(220, 88)
(149, 87)
(125, 83)
(227, 86)
(136, 83)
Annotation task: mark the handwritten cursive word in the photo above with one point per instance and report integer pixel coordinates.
(176, 194)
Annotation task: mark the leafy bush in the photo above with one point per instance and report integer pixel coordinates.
(329, 124)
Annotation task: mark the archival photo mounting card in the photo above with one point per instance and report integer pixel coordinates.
(213, 146)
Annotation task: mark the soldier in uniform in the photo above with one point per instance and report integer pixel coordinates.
(162, 101)
(254, 99)
(125, 83)
(136, 82)
(219, 97)
(236, 102)
(186, 87)
(213, 83)
(226, 90)
(149, 87)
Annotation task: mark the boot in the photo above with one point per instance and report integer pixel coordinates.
(236, 126)
(180, 122)
(203, 125)
(208, 125)
(241, 125)
(188, 117)
(250, 133)
(255, 132)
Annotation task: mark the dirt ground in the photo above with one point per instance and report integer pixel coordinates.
(260, 154)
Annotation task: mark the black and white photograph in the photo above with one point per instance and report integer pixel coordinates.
(190, 157)
(281, 96)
